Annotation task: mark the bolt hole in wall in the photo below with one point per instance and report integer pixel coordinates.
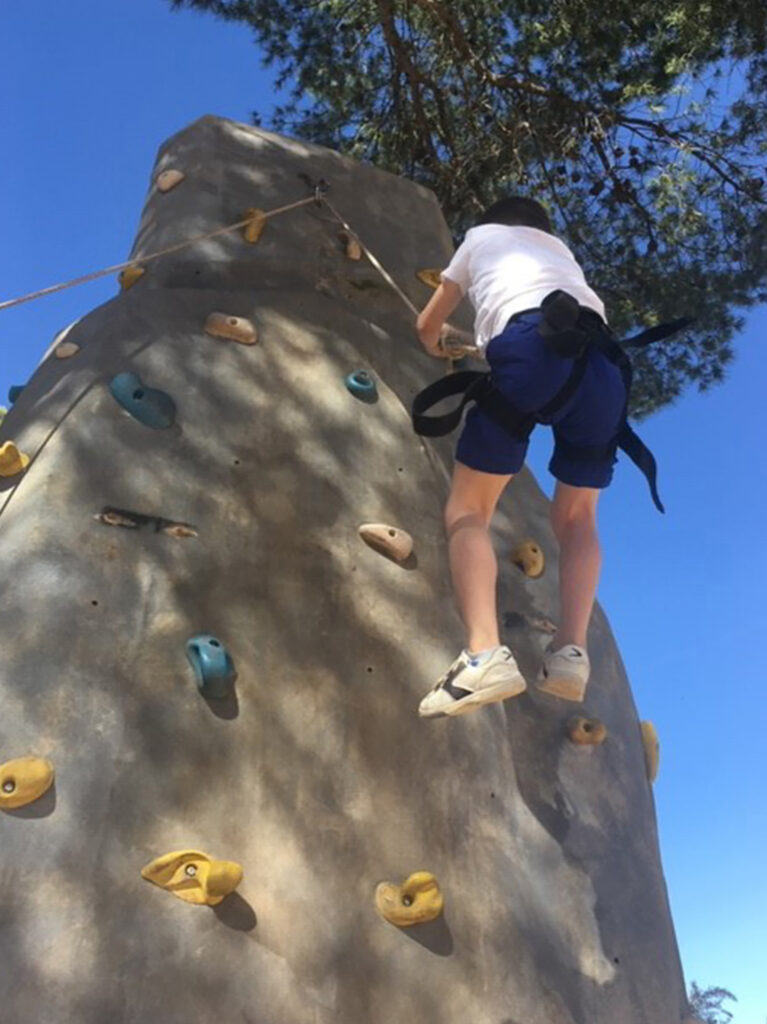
(94, 603)
(370, 668)
(236, 462)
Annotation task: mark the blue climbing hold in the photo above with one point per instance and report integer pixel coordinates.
(14, 391)
(212, 665)
(362, 386)
(151, 407)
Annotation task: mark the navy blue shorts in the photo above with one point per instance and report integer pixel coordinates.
(529, 375)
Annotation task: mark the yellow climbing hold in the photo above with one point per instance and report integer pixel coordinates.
(586, 731)
(129, 276)
(651, 745)
(528, 557)
(353, 247)
(387, 540)
(235, 328)
(416, 901)
(66, 350)
(193, 876)
(167, 180)
(12, 461)
(255, 226)
(24, 780)
(431, 276)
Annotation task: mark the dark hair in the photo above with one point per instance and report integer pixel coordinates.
(517, 210)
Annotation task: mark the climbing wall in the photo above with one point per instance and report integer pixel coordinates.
(223, 592)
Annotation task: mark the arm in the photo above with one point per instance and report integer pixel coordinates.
(430, 324)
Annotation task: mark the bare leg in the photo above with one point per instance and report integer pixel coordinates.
(573, 518)
(473, 565)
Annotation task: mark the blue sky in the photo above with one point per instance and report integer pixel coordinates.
(88, 92)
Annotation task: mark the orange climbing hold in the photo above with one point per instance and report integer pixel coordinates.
(528, 557)
(416, 901)
(651, 745)
(24, 780)
(129, 276)
(586, 732)
(387, 540)
(431, 276)
(193, 876)
(255, 226)
(235, 328)
(167, 180)
(353, 247)
(12, 461)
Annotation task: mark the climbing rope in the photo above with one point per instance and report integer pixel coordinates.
(139, 260)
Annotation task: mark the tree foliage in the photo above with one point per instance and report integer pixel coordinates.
(641, 125)
(706, 1004)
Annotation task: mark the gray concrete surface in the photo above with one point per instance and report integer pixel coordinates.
(318, 777)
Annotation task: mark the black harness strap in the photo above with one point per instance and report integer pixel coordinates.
(570, 331)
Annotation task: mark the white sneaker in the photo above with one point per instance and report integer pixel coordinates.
(565, 672)
(468, 684)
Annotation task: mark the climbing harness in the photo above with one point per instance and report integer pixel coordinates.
(571, 332)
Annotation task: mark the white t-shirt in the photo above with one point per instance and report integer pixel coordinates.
(506, 270)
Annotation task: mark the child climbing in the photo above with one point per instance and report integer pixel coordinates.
(508, 264)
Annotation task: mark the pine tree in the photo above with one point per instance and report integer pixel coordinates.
(641, 126)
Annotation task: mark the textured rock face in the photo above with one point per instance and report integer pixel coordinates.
(315, 774)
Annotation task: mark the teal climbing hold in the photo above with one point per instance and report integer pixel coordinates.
(149, 406)
(212, 665)
(362, 386)
(14, 391)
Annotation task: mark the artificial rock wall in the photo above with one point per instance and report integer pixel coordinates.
(314, 773)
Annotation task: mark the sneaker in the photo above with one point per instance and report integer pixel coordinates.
(565, 672)
(469, 683)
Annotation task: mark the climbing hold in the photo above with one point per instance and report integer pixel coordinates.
(193, 876)
(416, 901)
(255, 226)
(12, 461)
(212, 665)
(24, 780)
(362, 386)
(236, 328)
(587, 732)
(432, 277)
(66, 349)
(353, 247)
(651, 745)
(14, 391)
(129, 276)
(151, 407)
(114, 517)
(387, 540)
(166, 180)
(528, 557)
(180, 530)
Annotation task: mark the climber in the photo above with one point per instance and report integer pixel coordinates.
(508, 264)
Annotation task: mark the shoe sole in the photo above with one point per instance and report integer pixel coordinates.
(487, 695)
(564, 687)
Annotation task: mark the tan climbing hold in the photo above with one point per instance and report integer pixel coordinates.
(255, 226)
(587, 732)
(235, 328)
(651, 745)
(353, 247)
(431, 276)
(180, 530)
(24, 780)
(167, 180)
(66, 350)
(193, 876)
(416, 901)
(129, 276)
(387, 540)
(12, 461)
(528, 557)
